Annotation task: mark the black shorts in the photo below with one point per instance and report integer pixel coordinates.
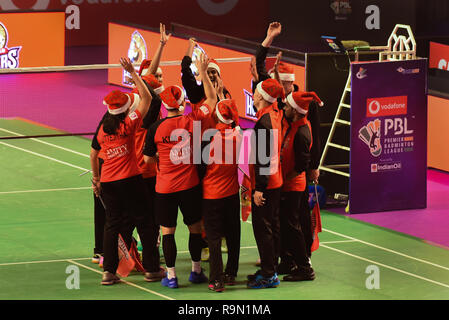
(189, 201)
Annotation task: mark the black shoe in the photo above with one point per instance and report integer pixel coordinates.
(229, 280)
(252, 277)
(217, 286)
(301, 274)
(286, 268)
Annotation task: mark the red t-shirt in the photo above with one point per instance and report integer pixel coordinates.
(176, 170)
(148, 170)
(221, 179)
(120, 161)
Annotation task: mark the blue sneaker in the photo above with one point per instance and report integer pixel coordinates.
(198, 277)
(171, 283)
(260, 282)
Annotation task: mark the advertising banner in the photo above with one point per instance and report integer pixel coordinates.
(139, 44)
(439, 56)
(388, 161)
(86, 21)
(32, 39)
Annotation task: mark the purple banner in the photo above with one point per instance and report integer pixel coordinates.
(388, 161)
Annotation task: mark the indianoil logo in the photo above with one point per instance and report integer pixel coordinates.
(9, 57)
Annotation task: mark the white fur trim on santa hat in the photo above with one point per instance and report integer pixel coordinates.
(287, 76)
(159, 89)
(292, 102)
(221, 118)
(135, 103)
(145, 72)
(214, 66)
(264, 94)
(121, 109)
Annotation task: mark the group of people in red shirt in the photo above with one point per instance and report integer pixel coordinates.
(147, 167)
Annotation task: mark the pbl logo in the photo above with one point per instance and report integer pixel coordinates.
(9, 57)
(370, 135)
(386, 106)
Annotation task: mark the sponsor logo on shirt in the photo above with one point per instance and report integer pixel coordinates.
(117, 152)
(133, 116)
(204, 109)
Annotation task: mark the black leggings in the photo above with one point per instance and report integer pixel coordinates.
(126, 207)
(266, 226)
(222, 219)
(292, 237)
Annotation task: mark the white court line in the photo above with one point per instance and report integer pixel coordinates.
(337, 241)
(388, 267)
(382, 248)
(47, 143)
(124, 281)
(42, 261)
(44, 156)
(388, 250)
(44, 190)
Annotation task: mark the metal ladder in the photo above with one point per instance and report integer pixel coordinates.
(333, 168)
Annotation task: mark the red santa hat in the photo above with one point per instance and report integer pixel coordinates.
(144, 67)
(214, 65)
(172, 98)
(270, 90)
(300, 101)
(227, 112)
(286, 72)
(119, 102)
(153, 83)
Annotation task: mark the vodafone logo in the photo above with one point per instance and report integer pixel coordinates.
(11, 4)
(374, 107)
(386, 106)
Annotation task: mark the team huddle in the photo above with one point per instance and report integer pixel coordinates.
(145, 169)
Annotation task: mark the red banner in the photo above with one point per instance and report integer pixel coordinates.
(439, 56)
(87, 20)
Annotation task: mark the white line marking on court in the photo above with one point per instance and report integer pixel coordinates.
(44, 190)
(387, 266)
(337, 241)
(386, 249)
(44, 156)
(382, 248)
(47, 143)
(42, 261)
(124, 281)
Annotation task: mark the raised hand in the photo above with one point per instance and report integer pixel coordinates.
(201, 63)
(164, 36)
(218, 85)
(192, 44)
(274, 29)
(127, 65)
